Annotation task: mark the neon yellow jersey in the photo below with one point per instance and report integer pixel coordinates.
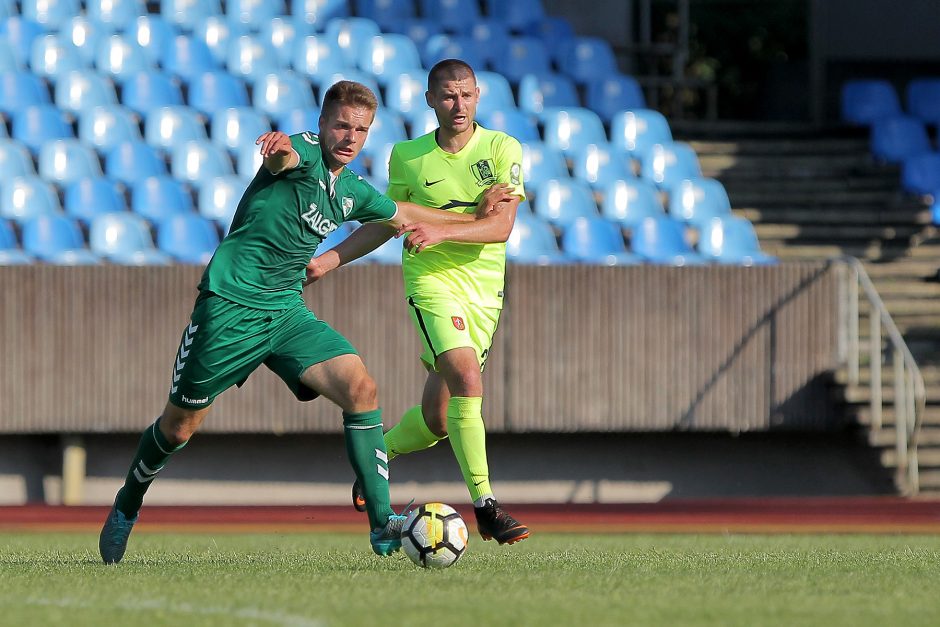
(422, 173)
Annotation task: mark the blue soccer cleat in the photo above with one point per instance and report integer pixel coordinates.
(386, 540)
(113, 539)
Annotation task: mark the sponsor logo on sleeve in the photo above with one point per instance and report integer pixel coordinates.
(515, 174)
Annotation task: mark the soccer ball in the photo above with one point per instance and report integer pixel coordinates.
(434, 536)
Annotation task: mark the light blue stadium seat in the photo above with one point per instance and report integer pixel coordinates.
(513, 122)
(55, 238)
(495, 93)
(154, 34)
(66, 160)
(7, 8)
(662, 240)
(90, 197)
(520, 56)
(105, 127)
(532, 241)
(560, 201)
(156, 198)
(378, 170)
(214, 91)
(667, 164)
(218, 199)
(168, 127)
(10, 253)
(299, 120)
(538, 92)
(40, 124)
(611, 95)
(897, 137)
(418, 30)
(276, 94)
(421, 123)
(85, 34)
(456, 16)
(82, 90)
(405, 93)
(351, 34)
(541, 163)
(121, 57)
(598, 165)
(197, 161)
(50, 14)
(15, 159)
(555, 31)
(218, 33)
(8, 59)
(864, 101)
(250, 57)
(732, 240)
(491, 37)
(188, 57)
(237, 127)
(698, 200)
(52, 55)
(519, 15)
(318, 13)
(23, 197)
(587, 58)
(118, 15)
(327, 81)
(388, 14)
(920, 174)
(629, 201)
(253, 12)
(333, 239)
(444, 46)
(124, 238)
(387, 56)
(188, 238)
(283, 33)
(20, 32)
(923, 100)
(133, 160)
(316, 55)
(635, 131)
(150, 90)
(387, 128)
(248, 160)
(594, 240)
(21, 89)
(388, 253)
(187, 14)
(570, 129)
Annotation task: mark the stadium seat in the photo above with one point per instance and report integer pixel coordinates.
(66, 160)
(518, 15)
(215, 91)
(595, 240)
(351, 34)
(571, 129)
(23, 197)
(513, 122)
(133, 160)
(520, 56)
(85, 34)
(555, 31)
(405, 93)
(90, 197)
(667, 164)
(495, 93)
(388, 253)
(864, 101)
(118, 15)
(187, 14)
(188, 57)
(378, 170)
(168, 127)
(82, 90)
(188, 238)
(387, 128)
(253, 12)
(248, 160)
(538, 92)
(418, 30)
(920, 174)
(54, 237)
(732, 240)
(251, 58)
(156, 198)
(20, 32)
(560, 201)
(662, 240)
(51, 14)
(698, 200)
(218, 33)
(237, 127)
(124, 238)
(388, 14)
(327, 81)
(332, 240)
(532, 242)
(443, 46)
(105, 127)
(283, 33)
(154, 34)
(52, 55)
(299, 120)
(387, 56)
(121, 57)
(629, 201)
(455, 16)
(587, 58)
(218, 199)
(150, 90)
(276, 94)
(541, 163)
(897, 137)
(318, 13)
(315, 55)
(10, 253)
(39, 124)
(8, 60)
(421, 122)
(15, 159)
(197, 161)
(598, 165)
(491, 37)
(635, 131)
(21, 89)
(611, 95)
(923, 100)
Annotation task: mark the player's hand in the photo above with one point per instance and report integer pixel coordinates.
(274, 143)
(491, 197)
(316, 270)
(421, 235)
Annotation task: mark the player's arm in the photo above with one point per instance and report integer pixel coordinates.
(278, 152)
(495, 226)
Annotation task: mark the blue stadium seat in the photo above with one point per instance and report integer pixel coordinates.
(20, 32)
(732, 240)
(187, 14)
(21, 89)
(154, 34)
(864, 101)
(456, 16)
(923, 100)
(90, 197)
(405, 93)
(121, 57)
(283, 33)
(378, 170)
(420, 122)
(491, 37)
(920, 174)
(253, 12)
(599, 165)
(66, 160)
(587, 58)
(23, 197)
(237, 127)
(495, 93)
(215, 91)
(10, 253)
(7, 8)
(39, 124)
(662, 240)
(332, 240)
(251, 58)
(116, 14)
(555, 31)
(218, 199)
(611, 95)
(532, 242)
(133, 160)
(299, 120)
(150, 90)
(276, 94)
(698, 200)
(248, 161)
(637, 130)
(188, 57)
(520, 56)
(168, 127)
(388, 14)
(541, 163)
(387, 128)
(124, 238)
(8, 60)
(387, 56)
(388, 253)
(105, 127)
(53, 55)
(82, 90)
(512, 122)
(327, 81)
(595, 240)
(571, 129)
(188, 238)
(316, 55)
(519, 15)
(156, 198)
(560, 201)
(197, 161)
(85, 34)
(667, 164)
(55, 238)
(629, 201)
(15, 159)
(50, 13)
(318, 13)
(351, 34)
(538, 92)
(895, 138)
(443, 46)
(418, 30)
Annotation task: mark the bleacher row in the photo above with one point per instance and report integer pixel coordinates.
(120, 125)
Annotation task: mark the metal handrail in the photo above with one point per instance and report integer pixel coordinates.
(910, 396)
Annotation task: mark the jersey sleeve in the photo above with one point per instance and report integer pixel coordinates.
(509, 165)
(397, 183)
(371, 206)
(307, 147)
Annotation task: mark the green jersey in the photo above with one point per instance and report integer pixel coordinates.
(278, 224)
(419, 171)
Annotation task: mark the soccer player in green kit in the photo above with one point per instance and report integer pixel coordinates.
(249, 310)
(454, 276)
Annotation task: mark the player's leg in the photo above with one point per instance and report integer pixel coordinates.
(424, 425)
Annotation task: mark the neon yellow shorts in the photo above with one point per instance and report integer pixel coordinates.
(444, 323)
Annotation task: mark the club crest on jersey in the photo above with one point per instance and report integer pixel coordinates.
(458, 323)
(347, 206)
(318, 224)
(484, 172)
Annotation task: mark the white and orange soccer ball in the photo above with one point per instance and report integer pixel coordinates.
(434, 536)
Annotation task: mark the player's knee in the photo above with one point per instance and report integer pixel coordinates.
(363, 393)
(437, 425)
(176, 432)
(465, 382)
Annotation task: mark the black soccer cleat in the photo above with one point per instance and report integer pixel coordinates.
(494, 523)
(358, 498)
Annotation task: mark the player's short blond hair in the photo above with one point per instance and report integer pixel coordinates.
(349, 93)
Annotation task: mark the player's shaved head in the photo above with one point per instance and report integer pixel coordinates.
(349, 93)
(449, 70)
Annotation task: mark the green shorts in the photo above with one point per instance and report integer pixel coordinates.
(444, 323)
(225, 342)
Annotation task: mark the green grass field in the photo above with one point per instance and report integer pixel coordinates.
(552, 579)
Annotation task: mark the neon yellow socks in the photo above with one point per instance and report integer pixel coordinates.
(468, 439)
(409, 435)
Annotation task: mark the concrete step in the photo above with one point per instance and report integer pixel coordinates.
(862, 395)
(832, 215)
(862, 413)
(884, 183)
(889, 288)
(876, 201)
(929, 483)
(783, 147)
(926, 457)
(829, 232)
(887, 438)
(796, 167)
(901, 306)
(920, 268)
(931, 376)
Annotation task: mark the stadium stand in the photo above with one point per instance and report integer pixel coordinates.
(65, 161)
(696, 201)
(187, 237)
(157, 198)
(594, 240)
(104, 127)
(10, 253)
(897, 137)
(731, 239)
(90, 197)
(629, 202)
(923, 100)
(866, 100)
(24, 197)
(124, 238)
(663, 240)
(56, 239)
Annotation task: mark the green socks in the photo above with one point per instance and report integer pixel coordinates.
(365, 447)
(410, 435)
(153, 451)
(468, 439)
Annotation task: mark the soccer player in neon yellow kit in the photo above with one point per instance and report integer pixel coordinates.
(454, 276)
